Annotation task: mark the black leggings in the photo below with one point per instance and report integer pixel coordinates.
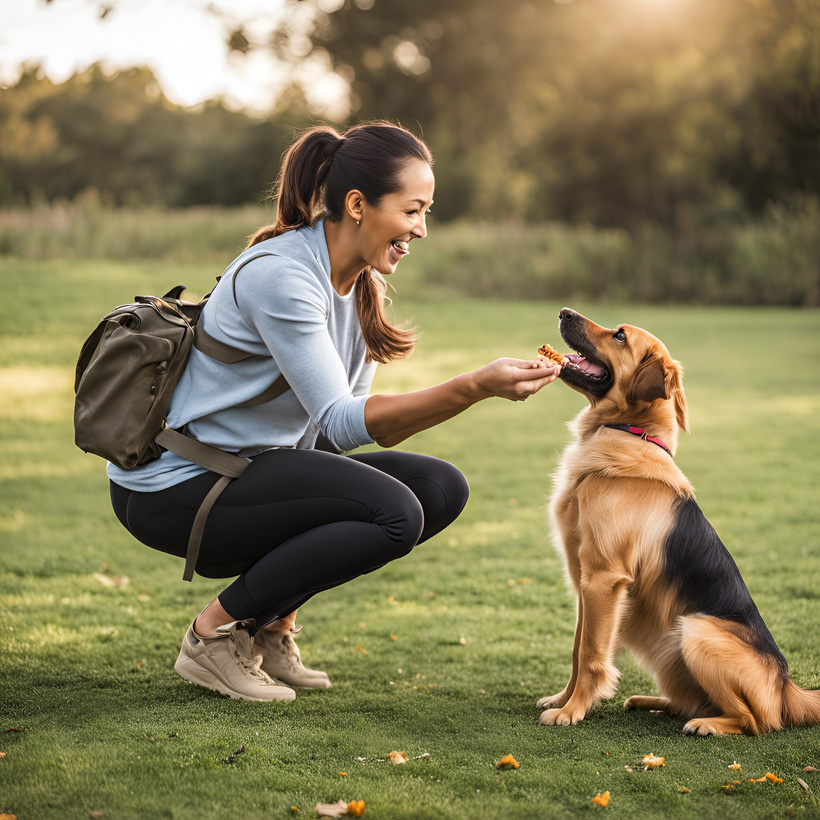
(299, 521)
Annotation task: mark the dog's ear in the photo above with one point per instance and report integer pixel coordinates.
(650, 380)
(675, 389)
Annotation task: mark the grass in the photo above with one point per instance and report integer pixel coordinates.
(86, 668)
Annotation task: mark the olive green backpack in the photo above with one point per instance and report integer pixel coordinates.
(125, 378)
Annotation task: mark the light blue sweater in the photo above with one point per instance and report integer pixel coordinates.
(286, 311)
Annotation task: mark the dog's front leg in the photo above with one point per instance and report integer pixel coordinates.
(552, 701)
(602, 600)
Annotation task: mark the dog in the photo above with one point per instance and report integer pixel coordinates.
(649, 571)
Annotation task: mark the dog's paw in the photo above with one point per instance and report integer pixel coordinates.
(561, 717)
(554, 701)
(703, 727)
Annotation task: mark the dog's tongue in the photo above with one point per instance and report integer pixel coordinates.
(578, 362)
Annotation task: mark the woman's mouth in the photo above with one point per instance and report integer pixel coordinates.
(398, 250)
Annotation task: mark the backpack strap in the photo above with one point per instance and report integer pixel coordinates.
(212, 458)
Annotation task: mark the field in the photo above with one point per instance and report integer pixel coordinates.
(94, 723)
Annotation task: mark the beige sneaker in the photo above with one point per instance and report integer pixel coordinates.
(282, 660)
(228, 663)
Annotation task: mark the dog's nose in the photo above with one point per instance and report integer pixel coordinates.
(565, 314)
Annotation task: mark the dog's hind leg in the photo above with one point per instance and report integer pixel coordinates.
(745, 684)
(647, 703)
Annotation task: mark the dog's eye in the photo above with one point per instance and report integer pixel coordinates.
(620, 335)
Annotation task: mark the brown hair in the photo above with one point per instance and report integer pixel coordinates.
(318, 171)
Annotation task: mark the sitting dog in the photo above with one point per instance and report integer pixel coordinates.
(649, 571)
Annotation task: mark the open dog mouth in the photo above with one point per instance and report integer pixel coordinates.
(583, 370)
(589, 368)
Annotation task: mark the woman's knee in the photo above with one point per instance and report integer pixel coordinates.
(402, 520)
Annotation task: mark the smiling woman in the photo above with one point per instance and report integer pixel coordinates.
(303, 306)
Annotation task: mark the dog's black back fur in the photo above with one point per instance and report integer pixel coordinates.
(700, 567)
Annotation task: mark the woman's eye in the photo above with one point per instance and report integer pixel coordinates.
(620, 336)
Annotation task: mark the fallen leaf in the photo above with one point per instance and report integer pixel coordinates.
(15, 729)
(342, 774)
(509, 760)
(294, 810)
(393, 638)
(463, 641)
(362, 650)
(397, 757)
(805, 768)
(425, 756)
(8, 817)
(757, 779)
(727, 787)
(601, 799)
(112, 581)
(685, 790)
(96, 815)
(2, 754)
(629, 768)
(803, 783)
(773, 777)
(338, 809)
(736, 767)
(355, 808)
(652, 762)
(736, 782)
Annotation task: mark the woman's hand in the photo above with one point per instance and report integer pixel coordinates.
(392, 419)
(515, 379)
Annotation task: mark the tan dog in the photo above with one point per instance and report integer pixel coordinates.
(649, 571)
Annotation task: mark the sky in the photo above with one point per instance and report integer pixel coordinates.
(180, 40)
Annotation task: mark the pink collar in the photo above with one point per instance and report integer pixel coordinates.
(638, 431)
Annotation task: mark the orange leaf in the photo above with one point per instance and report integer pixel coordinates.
(757, 779)
(652, 762)
(684, 790)
(397, 757)
(601, 799)
(355, 808)
(736, 767)
(343, 774)
(8, 817)
(773, 777)
(509, 760)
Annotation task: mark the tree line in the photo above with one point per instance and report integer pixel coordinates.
(624, 113)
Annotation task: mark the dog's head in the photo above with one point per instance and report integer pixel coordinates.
(625, 372)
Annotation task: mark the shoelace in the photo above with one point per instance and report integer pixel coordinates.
(251, 663)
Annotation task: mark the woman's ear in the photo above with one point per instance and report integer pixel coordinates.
(354, 205)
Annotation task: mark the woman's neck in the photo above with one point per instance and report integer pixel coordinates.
(346, 262)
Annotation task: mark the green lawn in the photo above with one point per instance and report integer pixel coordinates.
(86, 669)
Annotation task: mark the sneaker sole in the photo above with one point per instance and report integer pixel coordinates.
(192, 672)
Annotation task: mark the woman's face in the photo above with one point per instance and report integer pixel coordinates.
(386, 230)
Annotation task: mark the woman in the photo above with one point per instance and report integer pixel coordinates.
(306, 297)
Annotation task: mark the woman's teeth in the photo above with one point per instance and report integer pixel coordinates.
(402, 246)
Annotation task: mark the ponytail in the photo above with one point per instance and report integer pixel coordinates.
(299, 185)
(318, 170)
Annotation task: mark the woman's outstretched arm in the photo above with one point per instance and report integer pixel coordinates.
(390, 419)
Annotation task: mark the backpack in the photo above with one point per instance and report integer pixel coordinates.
(125, 379)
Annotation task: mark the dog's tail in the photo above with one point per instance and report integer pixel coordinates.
(801, 707)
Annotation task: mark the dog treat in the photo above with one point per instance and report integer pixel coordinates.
(553, 355)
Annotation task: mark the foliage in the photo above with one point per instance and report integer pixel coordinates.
(482, 623)
(117, 137)
(772, 261)
(687, 114)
